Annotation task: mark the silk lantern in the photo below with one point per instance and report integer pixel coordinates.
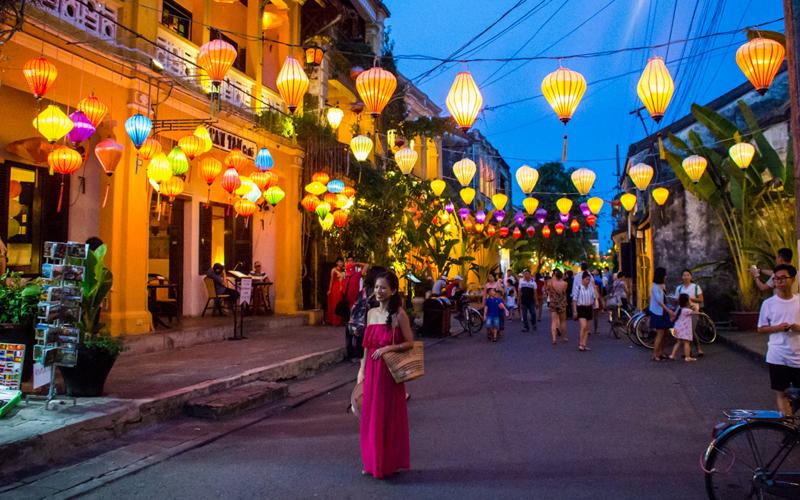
(563, 90)
(270, 20)
(323, 209)
(527, 178)
(310, 202)
(583, 178)
(216, 58)
(159, 169)
(660, 195)
(376, 86)
(94, 110)
(655, 88)
(575, 225)
(437, 186)
(490, 230)
(245, 208)
(546, 231)
(149, 149)
(327, 222)
(540, 215)
(191, 145)
(82, 128)
(109, 153)
(464, 171)
(641, 174)
(531, 231)
(559, 228)
(499, 201)
(210, 168)
(760, 59)
(335, 186)
(530, 205)
(628, 201)
(245, 186)
(591, 219)
(178, 163)
(503, 232)
(335, 116)
(463, 213)
(563, 217)
(40, 75)
(468, 225)
(742, 154)
(499, 215)
(138, 128)
(321, 177)
(564, 205)
(694, 167)
(449, 207)
(349, 191)
(340, 218)
(480, 216)
(264, 160)
(236, 159)
(230, 181)
(479, 227)
(202, 132)
(585, 209)
(361, 146)
(292, 83)
(467, 194)
(464, 100)
(52, 123)
(274, 195)
(64, 161)
(406, 158)
(517, 233)
(316, 188)
(595, 204)
(172, 187)
(519, 217)
(332, 200)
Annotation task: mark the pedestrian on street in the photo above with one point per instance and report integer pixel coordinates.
(695, 294)
(780, 317)
(683, 328)
(568, 277)
(599, 305)
(784, 256)
(351, 288)
(661, 316)
(527, 299)
(357, 323)
(491, 314)
(585, 295)
(384, 414)
(557, 291)
(511, 300)
(335, 293)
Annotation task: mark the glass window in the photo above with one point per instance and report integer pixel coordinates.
(224, 239)
(177, 19)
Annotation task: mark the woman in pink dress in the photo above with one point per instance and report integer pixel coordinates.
(384, 415)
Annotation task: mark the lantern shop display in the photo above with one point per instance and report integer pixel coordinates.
(94, 109)
(216, 58)
(52, 123)
(376, 86)
(641, 174)
(361, 146)
(464, 100)
(655, 88)
(264, 160)
(191, 145)
(159, 169)
(742, 154)
(760, 59)
(40, 75)
(310, 202)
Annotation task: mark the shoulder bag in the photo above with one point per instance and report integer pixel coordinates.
(405, 366)
(342, 309)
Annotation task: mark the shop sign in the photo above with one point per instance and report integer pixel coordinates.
(245, 290)
(227, 141)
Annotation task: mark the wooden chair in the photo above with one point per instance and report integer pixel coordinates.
(213, 297)
(161, 303)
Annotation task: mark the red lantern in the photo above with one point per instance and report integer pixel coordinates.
(490, 230)
(468, 224)
(531, 231)
(591, 219)
(236, 159)
(272, 179)
(230, 182)
(94, 110)
(376, 86)
(559, 228)
(64, 161)
(109, 152)
(340, 218)
(321, 177)
(546, 231)
(210, 167)
(503, 232)
(191, 145)
(40, 74)
(310, 202)
(574, 225)
(517, 233)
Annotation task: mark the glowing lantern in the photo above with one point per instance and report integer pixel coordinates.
(159, 170)
(82, 128)
(264, 160)
(361, 146)
(527, 178)
(40, 75)
(503, 232)
(468, 225)
(480, 216)
(64, 161)
(310, 202)
(563, 217)
(327, 222)
(499, 201)
(138, 128)
(595, 204)
(260, 179)
(52, 123)
(438, 185)
(583, 178)
(464, 100)
(177, 161)
(321, 177)
(499, 215)
(316, 188)
(563, 90)
(467, 194)
(655, 88)
(591, 219)
(564, 205)
(331, 199)
(254, 195)
(191, 145)
(628, 201)
(449, 207)
(230, 181)
(406, 158)
(742, 154)
(546, 231)
(109, 153)
(172, 187)
(531, 231)
(376, 86)
(530, 205)
(349, 191)
(559, 228)
(335, 116)
(149, 149)
(694, 167)
(585, 209)
(292, 83)
(479, 228)
(464, 171)
(245, 186)
(517, 233)
(540, 215)
(216, 58)
(519, 217)
(205, 136)
(490, 230)
(463, 213)
(94, 110)
(236, 159)
(245, 208)
(274, 195)
(314, 56)
(340, 218)
(641, 174)
(660, 195)
(760, 59)
(270, 20)
(210, 168)
(335, 186)
(575, 225)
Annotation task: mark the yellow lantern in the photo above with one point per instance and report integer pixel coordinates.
(530, 204)
(742, 154)
(694, 167)
(316, 188)
(564, 205)
(406, 158)
(655, 88)
(760, 59)
(438, 185)
(376, 86)
(628, 201)
(583, 178)
(216, 58)
(641, 174)
(159, 168)
(245, 186)
(564, 89)
(660, 195)
(327, 222)
(464, 100)
(595, 204)
(202, 133)
(468, 194)
(527, 178)
(499, 201)
(292, 83)
(52, 123)
(464, 171)
(335, 115)
(361, 146)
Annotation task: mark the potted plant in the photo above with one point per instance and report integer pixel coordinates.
(98, 350)
(18, 314)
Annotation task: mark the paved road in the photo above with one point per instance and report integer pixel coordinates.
(517, 419)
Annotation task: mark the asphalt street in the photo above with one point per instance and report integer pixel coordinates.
(520, 418)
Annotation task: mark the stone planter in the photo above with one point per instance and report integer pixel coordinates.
(745, 321)
(15, 333)
(416, 305)
(87, 378)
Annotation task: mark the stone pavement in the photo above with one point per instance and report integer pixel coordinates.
(752, 344)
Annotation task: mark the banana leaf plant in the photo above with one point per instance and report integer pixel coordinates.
(97, 285)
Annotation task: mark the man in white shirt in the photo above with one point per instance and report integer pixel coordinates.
(439, 286)
(780, 317)
(784, 256)
(527, 299)
(576, 281)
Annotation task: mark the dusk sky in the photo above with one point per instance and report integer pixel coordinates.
(529, 132)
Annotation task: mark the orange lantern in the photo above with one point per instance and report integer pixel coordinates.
(591, 219)
(340, 217)
(40, 74)
(490, 230)
(349, 191)
(260, 179)
(292, 83)
(376, 86)
(574, 225)
(331, 199)
(149, 149)
(245, 208)
(464, 100)
(314, 56)
(94, 110)
(109, 153)
(216, 58)
(559, 228)
(270, 20)
(310, 202)
(517, 233)
(468, 224)
(64, 161)
(760, 59)
(210, 168)
(564, 89)
(321, 177)
(236, 159)
(191, 145)
(546, 231)
(655, 88)
(272, 180)
(172, 187)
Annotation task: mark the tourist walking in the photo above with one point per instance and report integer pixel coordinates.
(357, 323)
(661, 316)
(599, 305)
(335, 293)
(584, 297)
(619, 295)
(695, 294)
(384, 414)
(492, 314)
(784, 256)
(557, 292)
(683, 328)
(527, 299)
(351, 287)
(511, 300)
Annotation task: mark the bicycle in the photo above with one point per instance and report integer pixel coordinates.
(705, 330)
(645, 334)
(619, 324)
(755, 454)
(469, 317)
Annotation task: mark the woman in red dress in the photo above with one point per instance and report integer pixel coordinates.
(384, 415)
(335, 293)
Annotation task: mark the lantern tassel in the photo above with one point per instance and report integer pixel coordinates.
(229, 206)
(170, 213)
(105, 198)
(61, 195)
(208, 201)
(272, 217)
(158, 204)
(246, 222)
(661, 153)
(564, 154)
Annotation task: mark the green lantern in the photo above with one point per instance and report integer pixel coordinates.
(178, 161)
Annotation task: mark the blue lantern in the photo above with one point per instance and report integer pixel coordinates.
(335, 186)
(264, 160)
(138, 128)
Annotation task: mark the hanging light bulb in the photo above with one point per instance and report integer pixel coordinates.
(376, 86)
(527, 178)
(540, 215)
(694, 167)
(94, 110)
(138, 128)
(464, 100)
(760, 59)
(464, 171)
(335, 115)
(499, 201)
(292, 83)
(202, 133)
(406, 158)
(149, 149)
(628, 201)
(361, 146)
(660, 195)
(467, 194)
(583, 178)
(641, 174)
(742, 154)
(52, 123)
(655, 88)
(216, 58)
(530, 205)
(595, 204)
(191, 145)
(40, 75)
(564, 205)
(178, 163)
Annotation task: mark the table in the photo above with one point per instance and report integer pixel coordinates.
(260, 297)
(152, 300)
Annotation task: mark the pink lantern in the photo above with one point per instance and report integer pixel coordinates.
(480, 216)
(585, 209)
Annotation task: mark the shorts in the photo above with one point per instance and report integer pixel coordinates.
(585, 312)
(493, 322)
(782, 376)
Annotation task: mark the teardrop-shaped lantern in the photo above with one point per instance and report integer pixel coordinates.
(349, 191)
(546, 231)
(742, 154)
(254, 195)
(660, 195)
(52, 123)
(361, 146)
(467, 194)
(641, 174)
(449, 207)
(40, 75)
(292, 83)
(94, 110)
(564, 205)
(655, 88)
(138, 128)
(575, 225)
(310, 202)
(559, 228)
(149, 149)
(203, 133)
(499, 215)
(271, 179)
(463, 213)
(531, 231)
(583, 178)
(563, 90)
(628, 201)
(585, 211)
(540, 215)
(172, 187)
(230, 181)
(327, 222)
(480, 216)
(323, 209)
(159, 169)
(490, 230)
(210, 168)
(340, 218)
(109, 153)
(64, 160)
(595, 204)
(178, 163)
(82, 128)
(191, 145)
(527, 178)
(236, 159)
(264, 160)
(274, 195)
(437, 186)
(464, 171)
(530, 205)
(760, 59)
(406, 158)
(376, 86)
(464, 100)
(499, 201)
(694, 167)
(335, 115)
(216, 58)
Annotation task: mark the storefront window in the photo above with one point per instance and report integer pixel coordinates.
(224, 239)
(21, 192)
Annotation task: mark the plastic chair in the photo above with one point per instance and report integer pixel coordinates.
(214, 298)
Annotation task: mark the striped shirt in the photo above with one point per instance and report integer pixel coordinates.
(584, 296)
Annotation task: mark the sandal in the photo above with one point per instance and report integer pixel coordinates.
(554, 342)
(581, 348)
(690, 359)
(565, 340)
(656, 358)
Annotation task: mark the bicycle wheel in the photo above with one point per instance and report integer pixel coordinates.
(475, 321)
(706, 331)
(741, 462)
(630, 328)
(645, 334)
(462, 319)
(620, 325)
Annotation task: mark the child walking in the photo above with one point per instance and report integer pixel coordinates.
(511, 300)
(491, 314)
(683, 328)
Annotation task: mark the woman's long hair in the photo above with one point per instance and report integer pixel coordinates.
(395, 300)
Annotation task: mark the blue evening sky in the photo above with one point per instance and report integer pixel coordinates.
(529, 132)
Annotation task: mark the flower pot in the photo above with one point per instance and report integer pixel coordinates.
(15, 333)
(745, 321)
(416, 304)
(87, 378)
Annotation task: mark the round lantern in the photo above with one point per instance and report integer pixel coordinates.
(159, 170)
(138, 128)
(82, 128)
(464, 100)
(216, 58)
(540, 215)
(499, 215)
(177, 161)
(694, 167)
(205, 136)
(563, 90)
(463, 213)
(323, 209)
(575, 225)
(64, 160)
(406, 158)
(172, 187)
(316, 188)
(531, 231)
(349, 191)
(210, 168)
(149, 149)
(564, 205)
(361, 146)
(264, 160)
(376, 86)
(628, 201)
(109, 153)
(660, 195)
(760, 59)
(332, 200)
(503, 232)
(527, 178)
(530, 205)
(591, 219)
(310, 202)
(335, 186)
(270, 20)
(245, 207)
(546, 231)
(191, 145)
(583, 178)
(480, 216)
(236, 159)
(559, 228)
(245, 186)
(340, 218)
(468, 225)
(292, 83)
(499, 201)
(585, 209)
(335, 116)
(449, 207)
(519, 217)
(563, 217)
(595, 204)
(467, 194)
(517, 233)
(742, 154)
(260, 179)
(94, 110)
(655, 88)
(479, 227)
(254, 195)
(464, 171)
(641, 174)
(327, 222)
(230, 181)
(321, 177)
(40, 75)
(274, 195)
(438, 185)
(52, 123)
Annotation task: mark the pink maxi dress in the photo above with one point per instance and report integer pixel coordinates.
(384, 415)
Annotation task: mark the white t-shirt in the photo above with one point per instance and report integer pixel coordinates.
(438, 286)
(576, 283)
(783, 347)
(692, 291)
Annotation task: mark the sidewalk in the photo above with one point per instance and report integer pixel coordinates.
(751, 344)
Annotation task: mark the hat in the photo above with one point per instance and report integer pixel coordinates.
(458, 278)
(350, 268)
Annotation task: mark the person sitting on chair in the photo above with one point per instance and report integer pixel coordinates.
(217, 273)
(256, 273)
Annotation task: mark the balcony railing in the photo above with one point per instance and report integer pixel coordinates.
(97, 18)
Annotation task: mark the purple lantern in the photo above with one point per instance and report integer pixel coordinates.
(82, 128)
(449, 207)
(585, 209)
(480, 216)
(463, 213)
(540, 215)
(564, 217)
(499, 215)
(519, 218)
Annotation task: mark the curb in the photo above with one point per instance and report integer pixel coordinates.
(735, 346)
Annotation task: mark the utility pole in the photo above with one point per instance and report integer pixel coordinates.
(791, 13)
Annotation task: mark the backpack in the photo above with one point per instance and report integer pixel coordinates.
(357, 324)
